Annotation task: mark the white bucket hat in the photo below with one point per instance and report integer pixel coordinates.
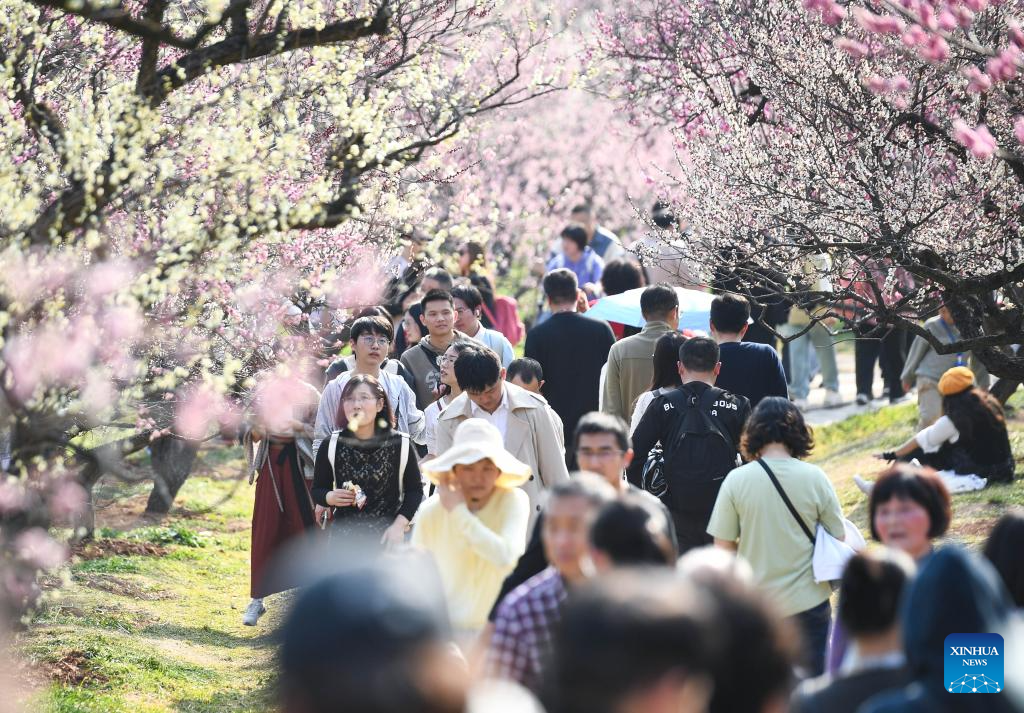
(475, 439)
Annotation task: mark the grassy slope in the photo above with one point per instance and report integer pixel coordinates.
(161, 633)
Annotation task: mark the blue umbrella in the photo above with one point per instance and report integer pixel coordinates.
(624, 308)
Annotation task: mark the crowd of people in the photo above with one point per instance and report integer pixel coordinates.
(615, 522)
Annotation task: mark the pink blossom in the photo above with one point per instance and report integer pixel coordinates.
(852, 47)
(947, 20)
(934, 50)
(1015, 33)
(979, 81)
(900, 83)
(979, 141)
(1018, 128)
(67, 500)
(1003, 67)
(964, 16)
(197, 412)
(279, 400)
(832, 13)
(976, 5)
(914, 36)
(108, 277)
(880, 24)
(38, 549)
(12, 497)
(877, 84)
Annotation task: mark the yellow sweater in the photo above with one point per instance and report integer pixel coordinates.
(474, 551)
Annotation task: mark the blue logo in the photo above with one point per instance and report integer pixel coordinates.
(974, 663)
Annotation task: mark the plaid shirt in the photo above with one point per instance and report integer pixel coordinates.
(523, 628)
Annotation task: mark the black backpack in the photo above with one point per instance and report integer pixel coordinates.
(695, 460)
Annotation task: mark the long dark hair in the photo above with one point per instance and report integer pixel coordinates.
(460, 346)
(483, 283)
(972, 409)
(666, 356)
(385, 421)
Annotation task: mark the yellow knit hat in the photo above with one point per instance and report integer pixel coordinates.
(957, 379)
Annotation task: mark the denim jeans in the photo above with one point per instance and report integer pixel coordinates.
(814, 625)
(819, 339)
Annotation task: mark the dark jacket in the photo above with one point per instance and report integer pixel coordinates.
(571, 350)
(692, 487)
(845, 694)
(954, 593)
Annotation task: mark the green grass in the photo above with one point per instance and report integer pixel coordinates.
(164, 633)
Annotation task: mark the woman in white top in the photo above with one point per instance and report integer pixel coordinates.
(666, 374)
(969, 439)
(446, 363)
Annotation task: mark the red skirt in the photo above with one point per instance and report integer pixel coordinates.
(283, 510)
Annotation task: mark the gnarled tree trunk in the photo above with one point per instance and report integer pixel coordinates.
(172, 462)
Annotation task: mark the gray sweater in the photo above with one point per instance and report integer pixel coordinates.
(924, 363)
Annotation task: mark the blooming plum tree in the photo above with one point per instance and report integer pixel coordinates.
(183, 185)
(886, 135)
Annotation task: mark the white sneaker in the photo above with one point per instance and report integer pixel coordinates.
(863, 399)
(863, 485)
(253, 612)
(832, 399)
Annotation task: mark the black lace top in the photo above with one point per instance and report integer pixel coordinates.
(373, 466)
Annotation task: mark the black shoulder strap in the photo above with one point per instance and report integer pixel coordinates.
(785, 499)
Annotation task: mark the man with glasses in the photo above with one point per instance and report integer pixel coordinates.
(371, 339)
(421, 359)
(602, 447)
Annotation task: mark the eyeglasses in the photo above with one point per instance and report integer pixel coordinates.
(444, 359)
(374, 341)
(353, 400)
(597, 453)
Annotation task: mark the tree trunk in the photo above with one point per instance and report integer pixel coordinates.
(172, 462)
(1003, 389)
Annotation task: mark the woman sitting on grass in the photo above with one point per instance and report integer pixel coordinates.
(969, 439)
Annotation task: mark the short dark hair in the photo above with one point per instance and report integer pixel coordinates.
(759, 649)
(576, 233)
(729, 313)
(871, 591)
(621, 275)
(666, 360)
(436, 296)
(477, 369)
(622, 633)
(468, 294)
(439, 275)
(582, 208)
(921, 485)
(372, 325)
(776, 420)
(370, 637)
(597, 422)
(1003, 549)
(632, 531)
(593, 488)
(526, 369)
(561, 286)
(699, 354)
(662, 215)
(658, 300)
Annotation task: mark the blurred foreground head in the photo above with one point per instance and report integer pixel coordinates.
(369, 640)
(635, 640)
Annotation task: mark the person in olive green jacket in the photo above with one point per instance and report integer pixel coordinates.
(631, 360)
